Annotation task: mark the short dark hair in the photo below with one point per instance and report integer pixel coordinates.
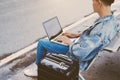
(108, 2)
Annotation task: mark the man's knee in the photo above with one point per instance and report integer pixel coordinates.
(40, 42)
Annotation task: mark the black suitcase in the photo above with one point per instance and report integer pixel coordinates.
(57, 67)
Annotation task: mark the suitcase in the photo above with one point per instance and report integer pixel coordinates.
(57, 67)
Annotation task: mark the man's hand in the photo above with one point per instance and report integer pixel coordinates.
(64, 39)
(71, 35)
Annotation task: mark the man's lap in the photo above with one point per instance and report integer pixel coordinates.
(53, 47)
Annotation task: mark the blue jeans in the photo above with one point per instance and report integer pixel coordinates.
(45, 46)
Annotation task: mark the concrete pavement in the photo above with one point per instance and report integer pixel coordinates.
(21, 20)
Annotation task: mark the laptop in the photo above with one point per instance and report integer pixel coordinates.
(53, 29)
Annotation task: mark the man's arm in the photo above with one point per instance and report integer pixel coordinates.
(71, 35)
(64, 39)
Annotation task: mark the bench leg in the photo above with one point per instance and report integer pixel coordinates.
(81, 77)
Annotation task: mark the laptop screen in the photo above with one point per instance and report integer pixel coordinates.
(52, 27)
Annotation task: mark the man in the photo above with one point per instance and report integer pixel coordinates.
(103, 30)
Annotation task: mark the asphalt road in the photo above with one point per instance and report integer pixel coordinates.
(21, 20)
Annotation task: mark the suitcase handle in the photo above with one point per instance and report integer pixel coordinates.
(58, 58)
